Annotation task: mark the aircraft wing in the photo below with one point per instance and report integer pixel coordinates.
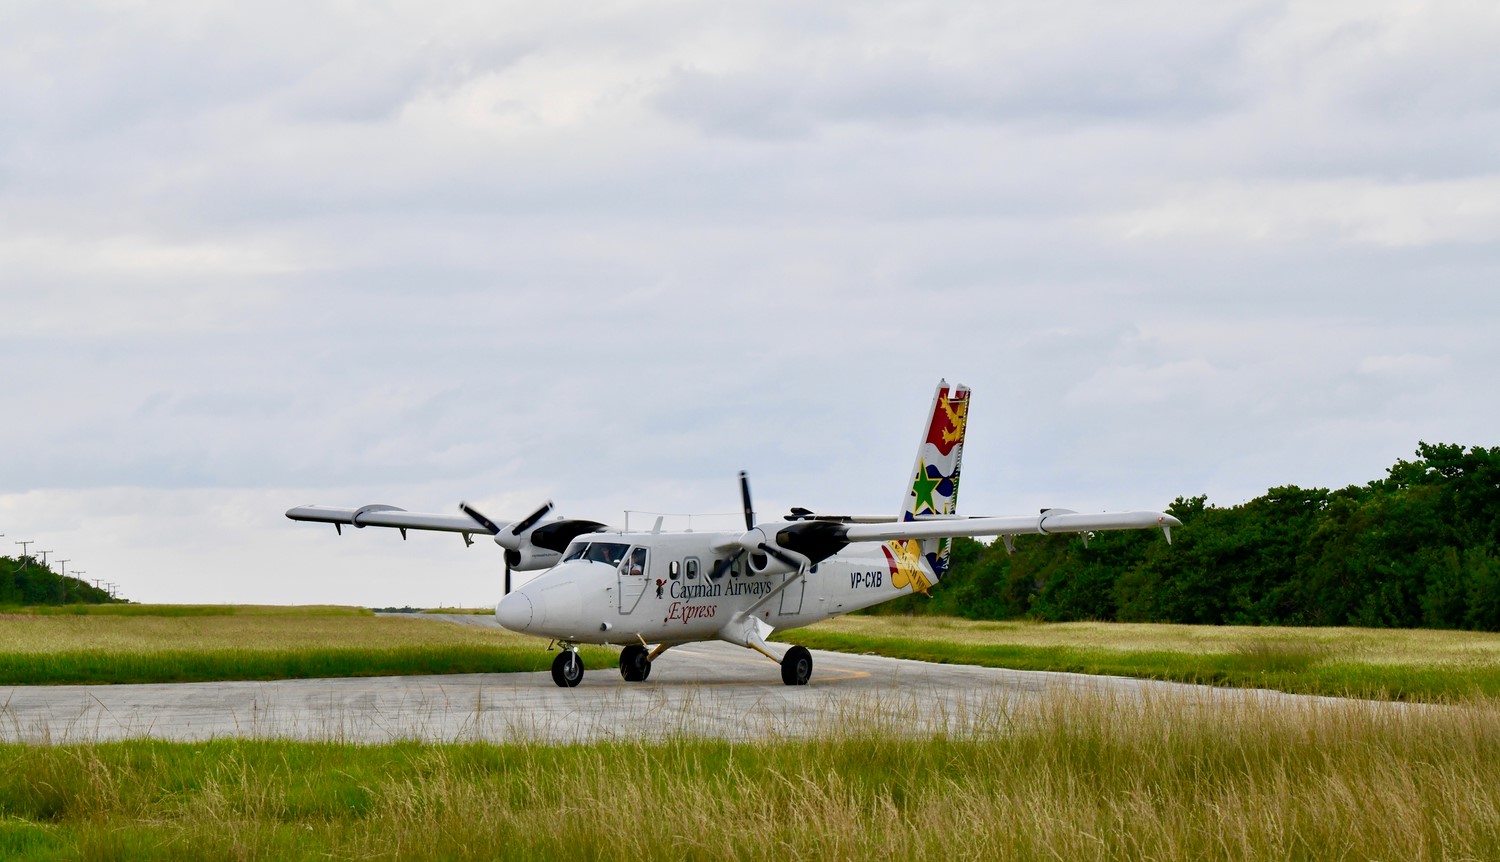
(1048, 521)
(380, 515)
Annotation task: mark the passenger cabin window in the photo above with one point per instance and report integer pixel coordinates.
(692, 568)
(737, 566)
(674, 568)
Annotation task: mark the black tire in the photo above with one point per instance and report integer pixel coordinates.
(796, 666)
(635, 663)
(567, 669)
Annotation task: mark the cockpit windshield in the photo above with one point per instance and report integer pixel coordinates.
(609, 553)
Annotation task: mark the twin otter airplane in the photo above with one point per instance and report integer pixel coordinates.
(635, 589)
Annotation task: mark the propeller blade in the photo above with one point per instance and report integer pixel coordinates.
(529, 521)
(745, 499)
(489, 526)
(722, 566)
(780, 555)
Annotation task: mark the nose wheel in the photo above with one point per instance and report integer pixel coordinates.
(635, 663)
(567, 668)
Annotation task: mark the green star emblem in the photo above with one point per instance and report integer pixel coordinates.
(923, 489)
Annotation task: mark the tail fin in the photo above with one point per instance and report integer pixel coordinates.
(933, 489)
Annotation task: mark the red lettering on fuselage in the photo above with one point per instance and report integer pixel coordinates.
(687, 613)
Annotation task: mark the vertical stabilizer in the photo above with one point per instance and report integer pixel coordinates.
(933, 488)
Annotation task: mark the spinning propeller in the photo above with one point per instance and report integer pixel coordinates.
(509, 539)
(795, 546)
(722, 566)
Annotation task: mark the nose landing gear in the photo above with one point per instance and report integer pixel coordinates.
(567, 668)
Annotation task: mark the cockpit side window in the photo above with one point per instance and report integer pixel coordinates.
(635, 564)
(609, 553)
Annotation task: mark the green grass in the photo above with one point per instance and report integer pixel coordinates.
(134, 610)
(159, 666)
(1401, 664)
(185, 643)
(205, 643)
(478, 612)
(1076, 777)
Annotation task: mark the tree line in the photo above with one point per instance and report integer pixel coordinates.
(1418, 548)
(26, 581)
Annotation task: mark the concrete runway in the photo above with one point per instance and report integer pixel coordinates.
(709, 689)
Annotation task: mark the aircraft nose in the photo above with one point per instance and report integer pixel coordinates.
(514, 612)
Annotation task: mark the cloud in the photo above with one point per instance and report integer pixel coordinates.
(1353, 211)
(257, 256)
(990, 63)
(1404, 364)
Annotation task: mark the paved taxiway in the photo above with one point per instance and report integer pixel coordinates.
(709, 689)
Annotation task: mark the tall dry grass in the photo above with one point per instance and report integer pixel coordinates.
(1078, 776)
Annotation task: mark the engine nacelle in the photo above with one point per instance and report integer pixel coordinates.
(794, 546)
(530, 558)
(541, 545)
(762, 563)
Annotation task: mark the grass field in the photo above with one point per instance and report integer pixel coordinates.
(1082, 777)
(1071, 776)
(474, 611)
(1403, 664)
(187, 643)
(136, 610)
(183, 643)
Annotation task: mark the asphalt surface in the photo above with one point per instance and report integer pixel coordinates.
(709, 689)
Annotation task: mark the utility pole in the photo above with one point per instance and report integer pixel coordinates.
(44, 557)
(25, 559)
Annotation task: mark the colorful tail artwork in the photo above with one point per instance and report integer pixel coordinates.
(933, 491)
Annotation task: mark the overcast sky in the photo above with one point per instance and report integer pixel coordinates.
(257, 255)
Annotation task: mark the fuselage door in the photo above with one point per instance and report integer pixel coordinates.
(634, 576)
(791, 597)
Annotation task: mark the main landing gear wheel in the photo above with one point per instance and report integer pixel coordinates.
(796, 666)
(567, 669)
(635, 663)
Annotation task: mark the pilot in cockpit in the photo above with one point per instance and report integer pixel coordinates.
(635, 564)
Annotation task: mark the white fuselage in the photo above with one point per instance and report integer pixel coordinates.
(674, 598)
